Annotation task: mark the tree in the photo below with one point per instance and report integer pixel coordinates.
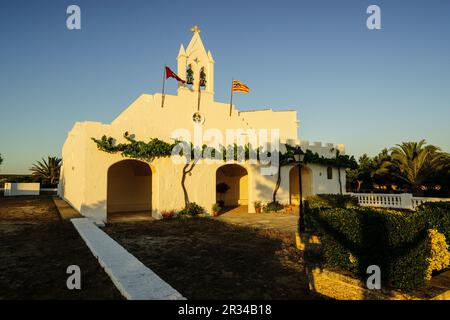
(417, 163)
(1, 159)
(384, 173)
(47, 171)
(362, 175)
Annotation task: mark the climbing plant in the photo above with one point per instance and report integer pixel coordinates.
(156, 148)
(147, 151)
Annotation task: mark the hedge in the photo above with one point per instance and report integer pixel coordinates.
(437, 216)
(399, 242)
(332, 201)
(328, 201)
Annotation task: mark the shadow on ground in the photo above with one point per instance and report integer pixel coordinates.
(37, 247)
(208, 259)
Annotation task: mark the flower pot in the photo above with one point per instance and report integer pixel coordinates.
(258, 210)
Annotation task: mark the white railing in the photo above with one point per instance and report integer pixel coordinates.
(417, 201)
(400, 201)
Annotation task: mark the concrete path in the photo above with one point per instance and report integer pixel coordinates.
(285, 222)
(131, 277)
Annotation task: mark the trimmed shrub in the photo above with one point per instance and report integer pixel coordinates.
(399, 242)
(437, 215)
(332, 201)
(192, 210)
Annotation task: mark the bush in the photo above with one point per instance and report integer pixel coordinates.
(440, 256)
(332, 201)
(437, 216)
(272, 206)
(192, 210)
(397, 241)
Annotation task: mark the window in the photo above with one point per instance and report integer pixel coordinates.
(330, 173)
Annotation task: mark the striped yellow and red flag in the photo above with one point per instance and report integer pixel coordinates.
(240, 87)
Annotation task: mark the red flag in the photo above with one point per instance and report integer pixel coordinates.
(171, 74)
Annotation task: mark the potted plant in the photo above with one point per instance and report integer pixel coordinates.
(168, 215)
(221, 189)
(216, 209)
(257, 205)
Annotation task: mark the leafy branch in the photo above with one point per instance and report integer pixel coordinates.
(157, 148)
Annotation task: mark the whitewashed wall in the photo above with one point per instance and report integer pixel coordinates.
(21, 189)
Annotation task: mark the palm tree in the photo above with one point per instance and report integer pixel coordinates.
(47, 171)
(416, 162)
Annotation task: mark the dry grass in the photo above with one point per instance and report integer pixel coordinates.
(208, 259)
(37, 247)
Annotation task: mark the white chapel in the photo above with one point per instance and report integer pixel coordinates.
(98, 183)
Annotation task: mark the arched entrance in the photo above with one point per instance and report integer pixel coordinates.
(294, 193)
(129, 188)
(236, 178)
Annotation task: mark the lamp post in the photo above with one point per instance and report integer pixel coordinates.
(299, 156)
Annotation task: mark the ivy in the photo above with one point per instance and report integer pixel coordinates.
(156, 148)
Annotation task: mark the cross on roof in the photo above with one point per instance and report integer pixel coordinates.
(195, 29)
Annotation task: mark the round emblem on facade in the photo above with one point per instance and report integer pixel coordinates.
(198, 118)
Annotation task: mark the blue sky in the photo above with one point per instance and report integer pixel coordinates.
(366, 89)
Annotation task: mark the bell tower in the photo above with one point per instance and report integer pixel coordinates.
(196, 66)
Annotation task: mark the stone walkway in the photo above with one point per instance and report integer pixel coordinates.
(285, 222)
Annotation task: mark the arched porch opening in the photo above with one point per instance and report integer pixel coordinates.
(129, 188)
(294, 190)
(236, 178)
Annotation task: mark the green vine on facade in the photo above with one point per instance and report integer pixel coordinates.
(147, 151)
(156, 148)
(340, 161)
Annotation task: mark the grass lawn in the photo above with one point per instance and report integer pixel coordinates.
(36, 249)
(208, 259)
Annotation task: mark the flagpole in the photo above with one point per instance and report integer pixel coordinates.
(231, 96)
(163, 88)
